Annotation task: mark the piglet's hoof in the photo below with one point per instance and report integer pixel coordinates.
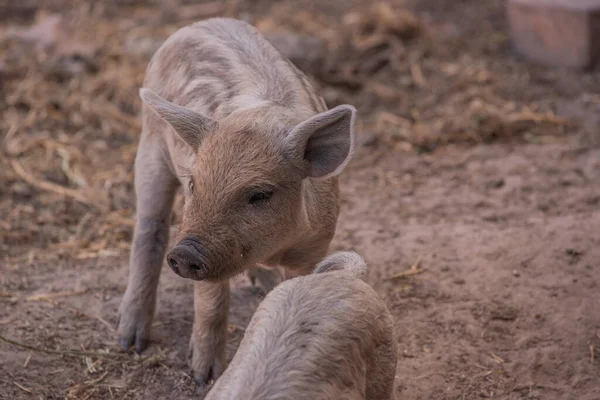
(203, 380)
(125, 344)
(206, 366)
(133, 328)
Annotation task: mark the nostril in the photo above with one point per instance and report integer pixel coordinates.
(172, 262)
(194, 267)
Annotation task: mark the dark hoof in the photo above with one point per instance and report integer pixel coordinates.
(204, 380)
(141, 345)
(125, 343)
(256, 291)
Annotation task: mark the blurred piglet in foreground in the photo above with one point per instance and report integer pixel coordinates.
(257, 152)
(327, 335)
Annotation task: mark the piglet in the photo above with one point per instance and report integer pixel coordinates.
(235, 124)
(322, 336)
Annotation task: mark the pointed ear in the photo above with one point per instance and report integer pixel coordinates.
(189, 125)
(324, 143)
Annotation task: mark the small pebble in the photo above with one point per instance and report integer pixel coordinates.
(516, 273)
(21, 189)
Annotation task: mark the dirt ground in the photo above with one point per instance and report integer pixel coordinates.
(477, 173)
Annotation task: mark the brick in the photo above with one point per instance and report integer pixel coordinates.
(564, 33)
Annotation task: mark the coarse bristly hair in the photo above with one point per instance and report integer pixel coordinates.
(327, 335)
(230, 120)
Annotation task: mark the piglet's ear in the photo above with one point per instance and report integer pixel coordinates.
(347, 261)
(191, 126)
(324, 143)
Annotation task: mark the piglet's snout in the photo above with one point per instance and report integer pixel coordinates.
(186, 260)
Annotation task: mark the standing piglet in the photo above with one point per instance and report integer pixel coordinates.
(227, 117)
(322, 336)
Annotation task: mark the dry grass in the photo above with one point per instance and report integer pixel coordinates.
(414, 269)
(69, 106)
(69, 119)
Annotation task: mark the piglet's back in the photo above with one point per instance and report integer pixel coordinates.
(220, 65)
(314, 337)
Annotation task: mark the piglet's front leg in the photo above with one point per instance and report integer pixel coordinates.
(155, 189)
(208, 358)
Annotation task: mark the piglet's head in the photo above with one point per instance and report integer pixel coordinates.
(246, 196)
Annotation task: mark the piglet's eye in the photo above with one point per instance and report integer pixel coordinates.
(259, 197)
(191, 186)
